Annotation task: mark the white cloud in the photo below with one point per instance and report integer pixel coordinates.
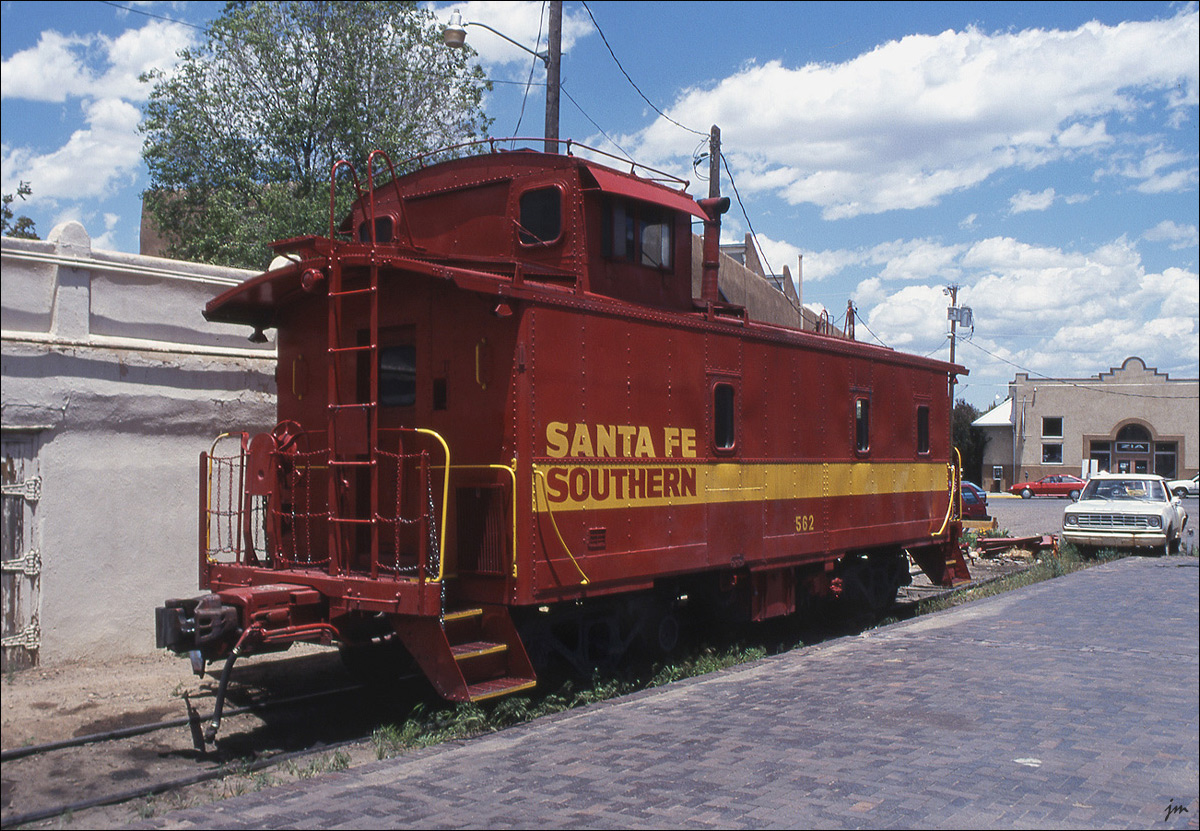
(61, 67)
(106, 150)
(1177, 236)
(914, 120)
(1045, 309)
(51, 71)
(1023, 201)
(1161, 170)
(101, 74)
(913, 319)
(904, 260)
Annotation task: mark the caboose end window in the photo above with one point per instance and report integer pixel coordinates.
(638, 233)
(541, 216)
(398, 376)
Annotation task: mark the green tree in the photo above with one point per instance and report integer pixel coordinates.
(969, 440)
(241, 137)
(21, 227)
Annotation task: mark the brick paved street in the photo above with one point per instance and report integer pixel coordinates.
(1069, 704)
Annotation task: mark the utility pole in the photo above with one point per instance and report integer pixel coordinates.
(956, 315)
(951, 313)
(714, 162)
(552, 76)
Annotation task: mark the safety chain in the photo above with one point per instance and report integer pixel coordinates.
(299, 482)
(398, 521)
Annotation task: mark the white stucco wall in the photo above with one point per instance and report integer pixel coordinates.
(111, 371)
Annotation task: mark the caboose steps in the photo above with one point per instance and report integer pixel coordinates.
(471, 654)
(497, 687)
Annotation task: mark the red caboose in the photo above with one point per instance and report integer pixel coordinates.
(505, 422)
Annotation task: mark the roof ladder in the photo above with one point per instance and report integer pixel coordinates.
(353, 423)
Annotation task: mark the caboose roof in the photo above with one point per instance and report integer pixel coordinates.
(254, 301)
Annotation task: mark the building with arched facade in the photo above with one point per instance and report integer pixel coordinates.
(1132, 419)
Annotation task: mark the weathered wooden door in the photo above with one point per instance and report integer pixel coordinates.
(21, 560)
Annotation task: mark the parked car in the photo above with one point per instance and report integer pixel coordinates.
(1185, 487)
(974, 501)
(1127, 510)
(1057, 485)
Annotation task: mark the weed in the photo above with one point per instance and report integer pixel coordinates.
(387, 741)
(340, 761)
(147, 808)
(1055, 564)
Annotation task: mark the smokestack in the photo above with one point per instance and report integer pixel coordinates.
(713, 208)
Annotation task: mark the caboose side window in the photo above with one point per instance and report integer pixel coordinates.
(724, 425)
(862, 425)
(922, 429)
(541, 216)
(398, 376)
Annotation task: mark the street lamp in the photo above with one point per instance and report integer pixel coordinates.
(455, 36)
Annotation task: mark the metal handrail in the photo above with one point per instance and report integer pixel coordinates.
(955, 471)
(538, 474)
(421, 159)
(445, 499)
(512, 473)
(207, 461)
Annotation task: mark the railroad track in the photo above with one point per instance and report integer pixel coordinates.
(45, 781)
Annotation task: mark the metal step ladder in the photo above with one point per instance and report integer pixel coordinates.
(471, 654)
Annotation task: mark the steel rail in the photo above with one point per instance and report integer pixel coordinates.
(151, 727)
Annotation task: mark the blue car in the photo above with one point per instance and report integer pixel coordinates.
(974, 501)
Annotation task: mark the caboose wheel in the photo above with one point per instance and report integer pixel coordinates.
(666, 633)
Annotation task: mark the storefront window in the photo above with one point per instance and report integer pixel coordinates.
(1164, 459)
(1102, 455)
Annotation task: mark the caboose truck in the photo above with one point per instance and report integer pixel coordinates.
(507, 428)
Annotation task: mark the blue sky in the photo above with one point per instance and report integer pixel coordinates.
(1041, 156)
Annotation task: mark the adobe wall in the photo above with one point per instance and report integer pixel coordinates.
(113, 383)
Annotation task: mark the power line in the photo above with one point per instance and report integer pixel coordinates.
(145, 13)
(582, 112)
(532, 68)
(600, 32)
(1084, 385)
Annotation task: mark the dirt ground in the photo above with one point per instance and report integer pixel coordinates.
(79, 698)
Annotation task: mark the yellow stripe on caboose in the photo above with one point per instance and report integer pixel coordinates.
(588, 485)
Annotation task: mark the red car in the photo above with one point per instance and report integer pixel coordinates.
(1056, 485)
